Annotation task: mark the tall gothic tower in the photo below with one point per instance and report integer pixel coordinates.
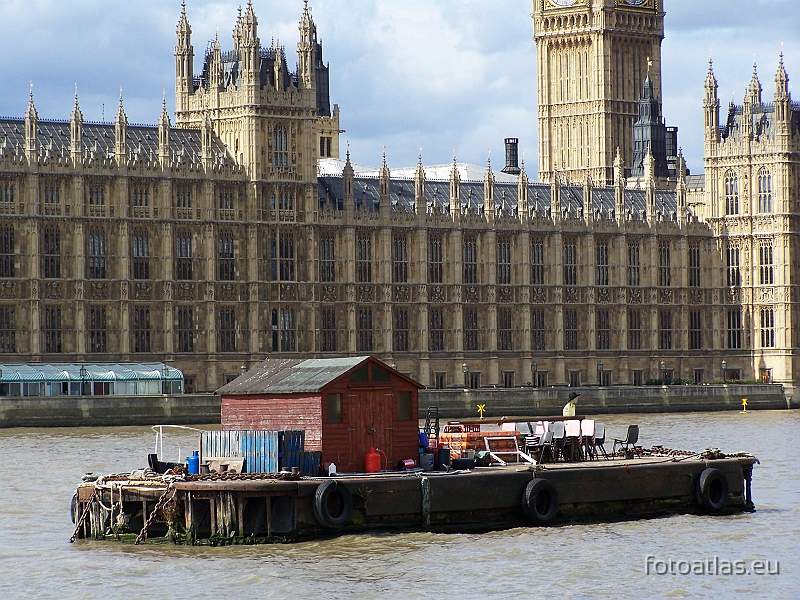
(592, 57)
(274, 122)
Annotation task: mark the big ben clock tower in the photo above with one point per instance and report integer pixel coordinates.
(593, 56)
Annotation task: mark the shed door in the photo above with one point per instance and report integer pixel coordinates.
(370, 425)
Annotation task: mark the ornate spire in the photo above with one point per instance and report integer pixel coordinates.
(31, 112)
(76, 115)
(754, 89)
(31, 120)
(781, 80)
(163, 135)
(711, 80)
(184, 30)
(307, 49)
(164, 118)
(121, 116)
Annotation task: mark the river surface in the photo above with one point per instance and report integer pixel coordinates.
(41, 467)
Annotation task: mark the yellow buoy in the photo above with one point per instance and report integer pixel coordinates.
(481, 409)
(744, 405)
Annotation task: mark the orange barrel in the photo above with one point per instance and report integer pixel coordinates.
(373, 461)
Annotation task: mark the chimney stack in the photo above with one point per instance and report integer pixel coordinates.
(512, 157)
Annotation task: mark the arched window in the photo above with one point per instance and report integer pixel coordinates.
(731, 193)
(281, 147)
(764, 191)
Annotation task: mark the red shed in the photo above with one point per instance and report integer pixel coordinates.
(345, 405)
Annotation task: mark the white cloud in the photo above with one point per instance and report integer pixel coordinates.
(433, 73)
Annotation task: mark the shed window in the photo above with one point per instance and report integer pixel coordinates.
(360, 375)
(379, 374)
(404, 406)
(334, 408)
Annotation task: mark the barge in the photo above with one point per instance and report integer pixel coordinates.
(287, 422)
(244, 508)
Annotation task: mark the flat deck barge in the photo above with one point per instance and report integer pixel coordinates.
(222, 509)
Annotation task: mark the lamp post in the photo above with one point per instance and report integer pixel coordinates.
(534, 370)
(242, 370)
(599, 374)
(663, 373)
(724, 372)
(465, 369)
(165, 375)
(83, 373)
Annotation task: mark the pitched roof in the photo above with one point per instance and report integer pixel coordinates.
(295, 376)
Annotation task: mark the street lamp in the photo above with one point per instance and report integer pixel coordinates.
(394, 366)
(663, 373)
(165, 374)
(534, 369)
(83, 373)
(724, 372)
(465, 369)
(242, 370)
(599, 374)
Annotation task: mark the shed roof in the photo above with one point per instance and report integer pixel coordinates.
(297, 376)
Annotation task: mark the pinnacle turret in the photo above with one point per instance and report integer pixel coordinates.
(781, 80)
(754, 89)
(76, 130)
(31, 124)
(711, 84)
(121, 132)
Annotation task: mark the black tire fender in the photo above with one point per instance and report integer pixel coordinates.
(540, 501)
(333, 504)
(73, 508)
(712, 490)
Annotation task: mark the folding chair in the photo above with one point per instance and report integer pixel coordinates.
(587, 434)
(628, 445)
(600, 439)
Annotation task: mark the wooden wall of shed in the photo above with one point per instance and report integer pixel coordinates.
(276, 413)
(336, 437)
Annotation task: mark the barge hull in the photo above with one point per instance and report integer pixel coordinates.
(265, 511)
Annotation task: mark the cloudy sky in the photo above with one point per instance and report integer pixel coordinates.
(435, 74)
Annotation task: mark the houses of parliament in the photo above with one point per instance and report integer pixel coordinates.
(236, 233)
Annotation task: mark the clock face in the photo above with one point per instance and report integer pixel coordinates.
(565, 2)
(635, 2)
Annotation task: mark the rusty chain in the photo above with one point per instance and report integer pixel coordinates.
(159, 505)
(83, 516)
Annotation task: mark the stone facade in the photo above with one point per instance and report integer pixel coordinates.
(237, 235)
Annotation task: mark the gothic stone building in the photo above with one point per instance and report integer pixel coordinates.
(237, 234)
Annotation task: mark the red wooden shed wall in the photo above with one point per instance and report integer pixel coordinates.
(276, 413)
(340, 443)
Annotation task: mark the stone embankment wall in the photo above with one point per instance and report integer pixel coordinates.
(546, 402)
(194, 409)
(101, 411)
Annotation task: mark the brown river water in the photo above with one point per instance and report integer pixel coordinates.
(41, 467)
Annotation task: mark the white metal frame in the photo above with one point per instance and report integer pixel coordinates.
(519, 454)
